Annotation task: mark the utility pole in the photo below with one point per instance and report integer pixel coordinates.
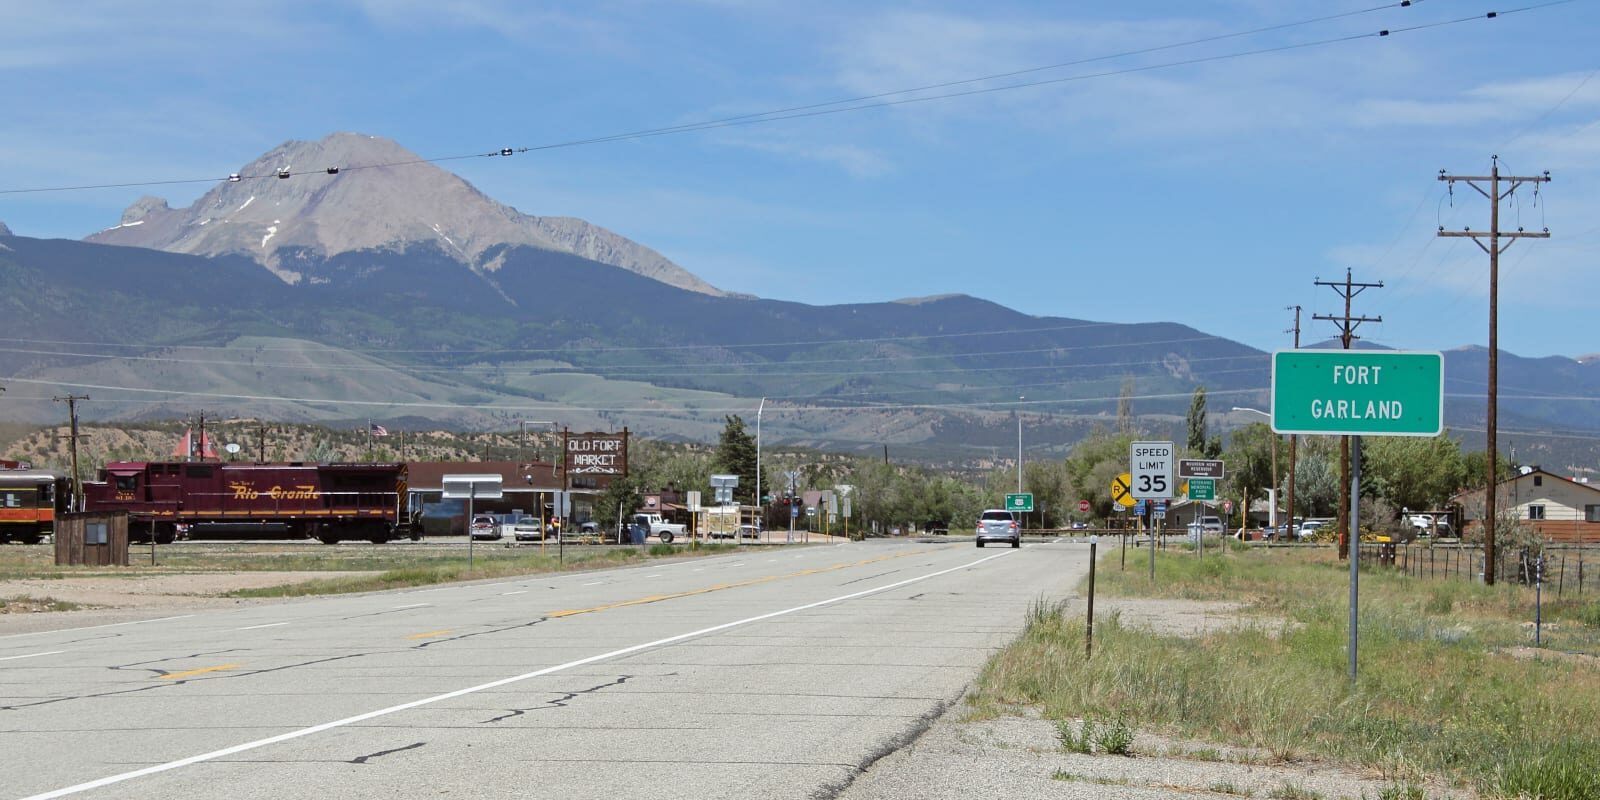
(1347, 334)
(1494, 195)
(1289, 529)
(72, 413)
(201, 447)
(261, 444)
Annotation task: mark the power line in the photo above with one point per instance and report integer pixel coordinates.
(860, 103)
(645, 410)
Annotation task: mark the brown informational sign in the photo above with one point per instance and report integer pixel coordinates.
(597, 453)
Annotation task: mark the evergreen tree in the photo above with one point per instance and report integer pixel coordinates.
(1197, 421)
(736, 455)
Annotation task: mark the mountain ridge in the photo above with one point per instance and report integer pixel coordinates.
(380, 198)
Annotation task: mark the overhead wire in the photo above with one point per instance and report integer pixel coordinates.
(867, 101)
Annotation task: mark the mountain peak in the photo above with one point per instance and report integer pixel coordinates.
(4, 231)
(351, 192)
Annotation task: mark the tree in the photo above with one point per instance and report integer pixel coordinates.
(1413, 472)
(1197, 420)
(1249, 458)
(736, 455)
(1316, 477)
(1125, 406)
(624, 493)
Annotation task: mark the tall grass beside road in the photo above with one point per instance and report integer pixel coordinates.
(1442, 692)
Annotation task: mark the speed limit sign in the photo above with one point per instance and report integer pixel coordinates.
(1150, 465)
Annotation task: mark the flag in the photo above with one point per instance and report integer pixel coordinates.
(378, 430)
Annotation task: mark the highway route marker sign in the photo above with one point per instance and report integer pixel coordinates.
(1020, 502)
(1358, 392)
(1150, 465)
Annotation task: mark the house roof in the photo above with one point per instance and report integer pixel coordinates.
(1527, 476)
(429, 475)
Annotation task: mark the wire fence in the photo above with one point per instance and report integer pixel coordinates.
(1567, 570)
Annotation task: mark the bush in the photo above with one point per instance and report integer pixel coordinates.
(662, 550)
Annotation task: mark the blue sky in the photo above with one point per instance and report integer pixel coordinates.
(1211, 194)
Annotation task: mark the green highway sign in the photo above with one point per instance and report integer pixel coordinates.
(1358, 392)
(1202, 489)
(1020, 502)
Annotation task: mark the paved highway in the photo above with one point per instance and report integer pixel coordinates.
(773, 672)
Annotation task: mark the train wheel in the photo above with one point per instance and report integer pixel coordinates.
(165, 534)
(29, 538)
(328, 538)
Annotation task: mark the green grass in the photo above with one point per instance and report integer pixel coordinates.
(1437, 695)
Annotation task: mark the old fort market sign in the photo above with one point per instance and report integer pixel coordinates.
(1358, 392)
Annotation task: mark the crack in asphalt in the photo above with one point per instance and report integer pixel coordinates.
(432, 642)
(381, 753)
(560, 702)
(869, 577)
(832, 790)
(160, 672)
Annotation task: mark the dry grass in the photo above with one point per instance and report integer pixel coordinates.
(1437, 695)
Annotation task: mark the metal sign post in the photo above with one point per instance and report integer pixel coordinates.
(470, 488)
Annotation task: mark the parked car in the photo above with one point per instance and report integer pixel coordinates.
(999, 525)
(485, 526)
(1079, 526)
(1210, 524)
(748, 531)
(527, 529)
(1311, 528)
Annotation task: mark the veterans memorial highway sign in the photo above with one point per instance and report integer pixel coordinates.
(1358, 392)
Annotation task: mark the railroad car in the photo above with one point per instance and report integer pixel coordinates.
(330, 502)
(29, 502)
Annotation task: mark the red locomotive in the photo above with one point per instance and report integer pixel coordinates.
(225, 500)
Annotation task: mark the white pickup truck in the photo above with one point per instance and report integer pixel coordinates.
(659, 528)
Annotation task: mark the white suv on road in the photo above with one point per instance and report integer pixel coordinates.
(999, 525)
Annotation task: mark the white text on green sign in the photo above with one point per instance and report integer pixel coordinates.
(1020, 502)
(1202, 489)
(1358, 392)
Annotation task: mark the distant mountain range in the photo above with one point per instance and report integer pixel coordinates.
(396, 291)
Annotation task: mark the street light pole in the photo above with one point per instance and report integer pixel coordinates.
(761, 518)
(1019, 444)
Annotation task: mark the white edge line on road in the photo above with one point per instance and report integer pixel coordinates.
(92, 627)
(414, 605)
(657, 575)
(32, 655)
(596, 583)
(339, 723)
(258, 627)
(519, 591)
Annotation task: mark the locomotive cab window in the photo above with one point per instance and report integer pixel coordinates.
(127, 483)
(10, 499)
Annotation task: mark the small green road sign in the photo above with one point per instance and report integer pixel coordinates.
(1020, 502)
(1202, 489)
(1358, 392)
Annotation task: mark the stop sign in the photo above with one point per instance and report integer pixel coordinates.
(1227, 506)
(1083, 505)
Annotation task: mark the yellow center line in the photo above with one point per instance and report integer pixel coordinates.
(656, 598)
(189, 673)
(428, 634)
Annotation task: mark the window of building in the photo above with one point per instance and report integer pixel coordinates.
(1591, 513)
(1535, 512)
(1538, 480)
